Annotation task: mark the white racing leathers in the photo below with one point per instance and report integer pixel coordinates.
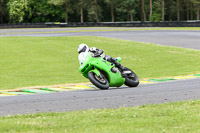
(82, 55)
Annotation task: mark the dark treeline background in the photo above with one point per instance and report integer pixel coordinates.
(39, 11)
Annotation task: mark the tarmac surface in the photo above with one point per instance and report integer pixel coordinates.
(180, 38)
(98, 99)
(113, 98)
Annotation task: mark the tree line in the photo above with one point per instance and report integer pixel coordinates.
(38, 11)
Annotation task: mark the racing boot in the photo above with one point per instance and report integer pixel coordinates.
(124, 71)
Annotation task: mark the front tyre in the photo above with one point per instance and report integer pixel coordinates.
(131, 80)
(99, 81)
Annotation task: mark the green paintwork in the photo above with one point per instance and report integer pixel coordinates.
(47, 89)
(161, 80)
(35, 91)
(119, 59)
(96, 71)
(92, 64)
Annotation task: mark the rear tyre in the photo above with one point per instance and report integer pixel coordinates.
(99, 81)
(131, 80)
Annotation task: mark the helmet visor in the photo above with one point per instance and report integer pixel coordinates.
(83, 49)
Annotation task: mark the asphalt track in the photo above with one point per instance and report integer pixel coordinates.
(117, 97)
(185, 39)
(96, 99)
(180, 38)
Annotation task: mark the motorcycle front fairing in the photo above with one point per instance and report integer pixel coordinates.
(86, 66)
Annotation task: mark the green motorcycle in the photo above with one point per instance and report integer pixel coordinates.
(104, 74)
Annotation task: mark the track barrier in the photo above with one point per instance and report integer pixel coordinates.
(104, 24)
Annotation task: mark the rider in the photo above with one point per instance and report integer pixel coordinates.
(83, 49)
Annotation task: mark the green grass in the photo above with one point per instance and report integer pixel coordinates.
(31, 61)
(180, 117)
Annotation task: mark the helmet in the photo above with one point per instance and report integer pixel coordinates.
(82, 48)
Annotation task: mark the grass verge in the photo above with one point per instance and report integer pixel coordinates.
(30, 61)
(181, 117)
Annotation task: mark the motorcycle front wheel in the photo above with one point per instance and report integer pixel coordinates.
(99, 81)
(132, 80)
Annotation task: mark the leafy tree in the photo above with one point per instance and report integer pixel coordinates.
(151, 9)
(41, 11)
(112, 4)
(163, 10)
(81, 6)
(187, 9)
(65, 4)
(33, 11)
(143, 14)
(157, 11)
(1, 11)
(178, 10)
(169, 10)
(197, 7)
(128, 7)
(17, 9)
(94, 12)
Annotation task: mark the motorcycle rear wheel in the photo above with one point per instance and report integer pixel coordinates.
(132, 81)
(100, 82)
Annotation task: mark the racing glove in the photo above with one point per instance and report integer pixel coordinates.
(97, 52)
